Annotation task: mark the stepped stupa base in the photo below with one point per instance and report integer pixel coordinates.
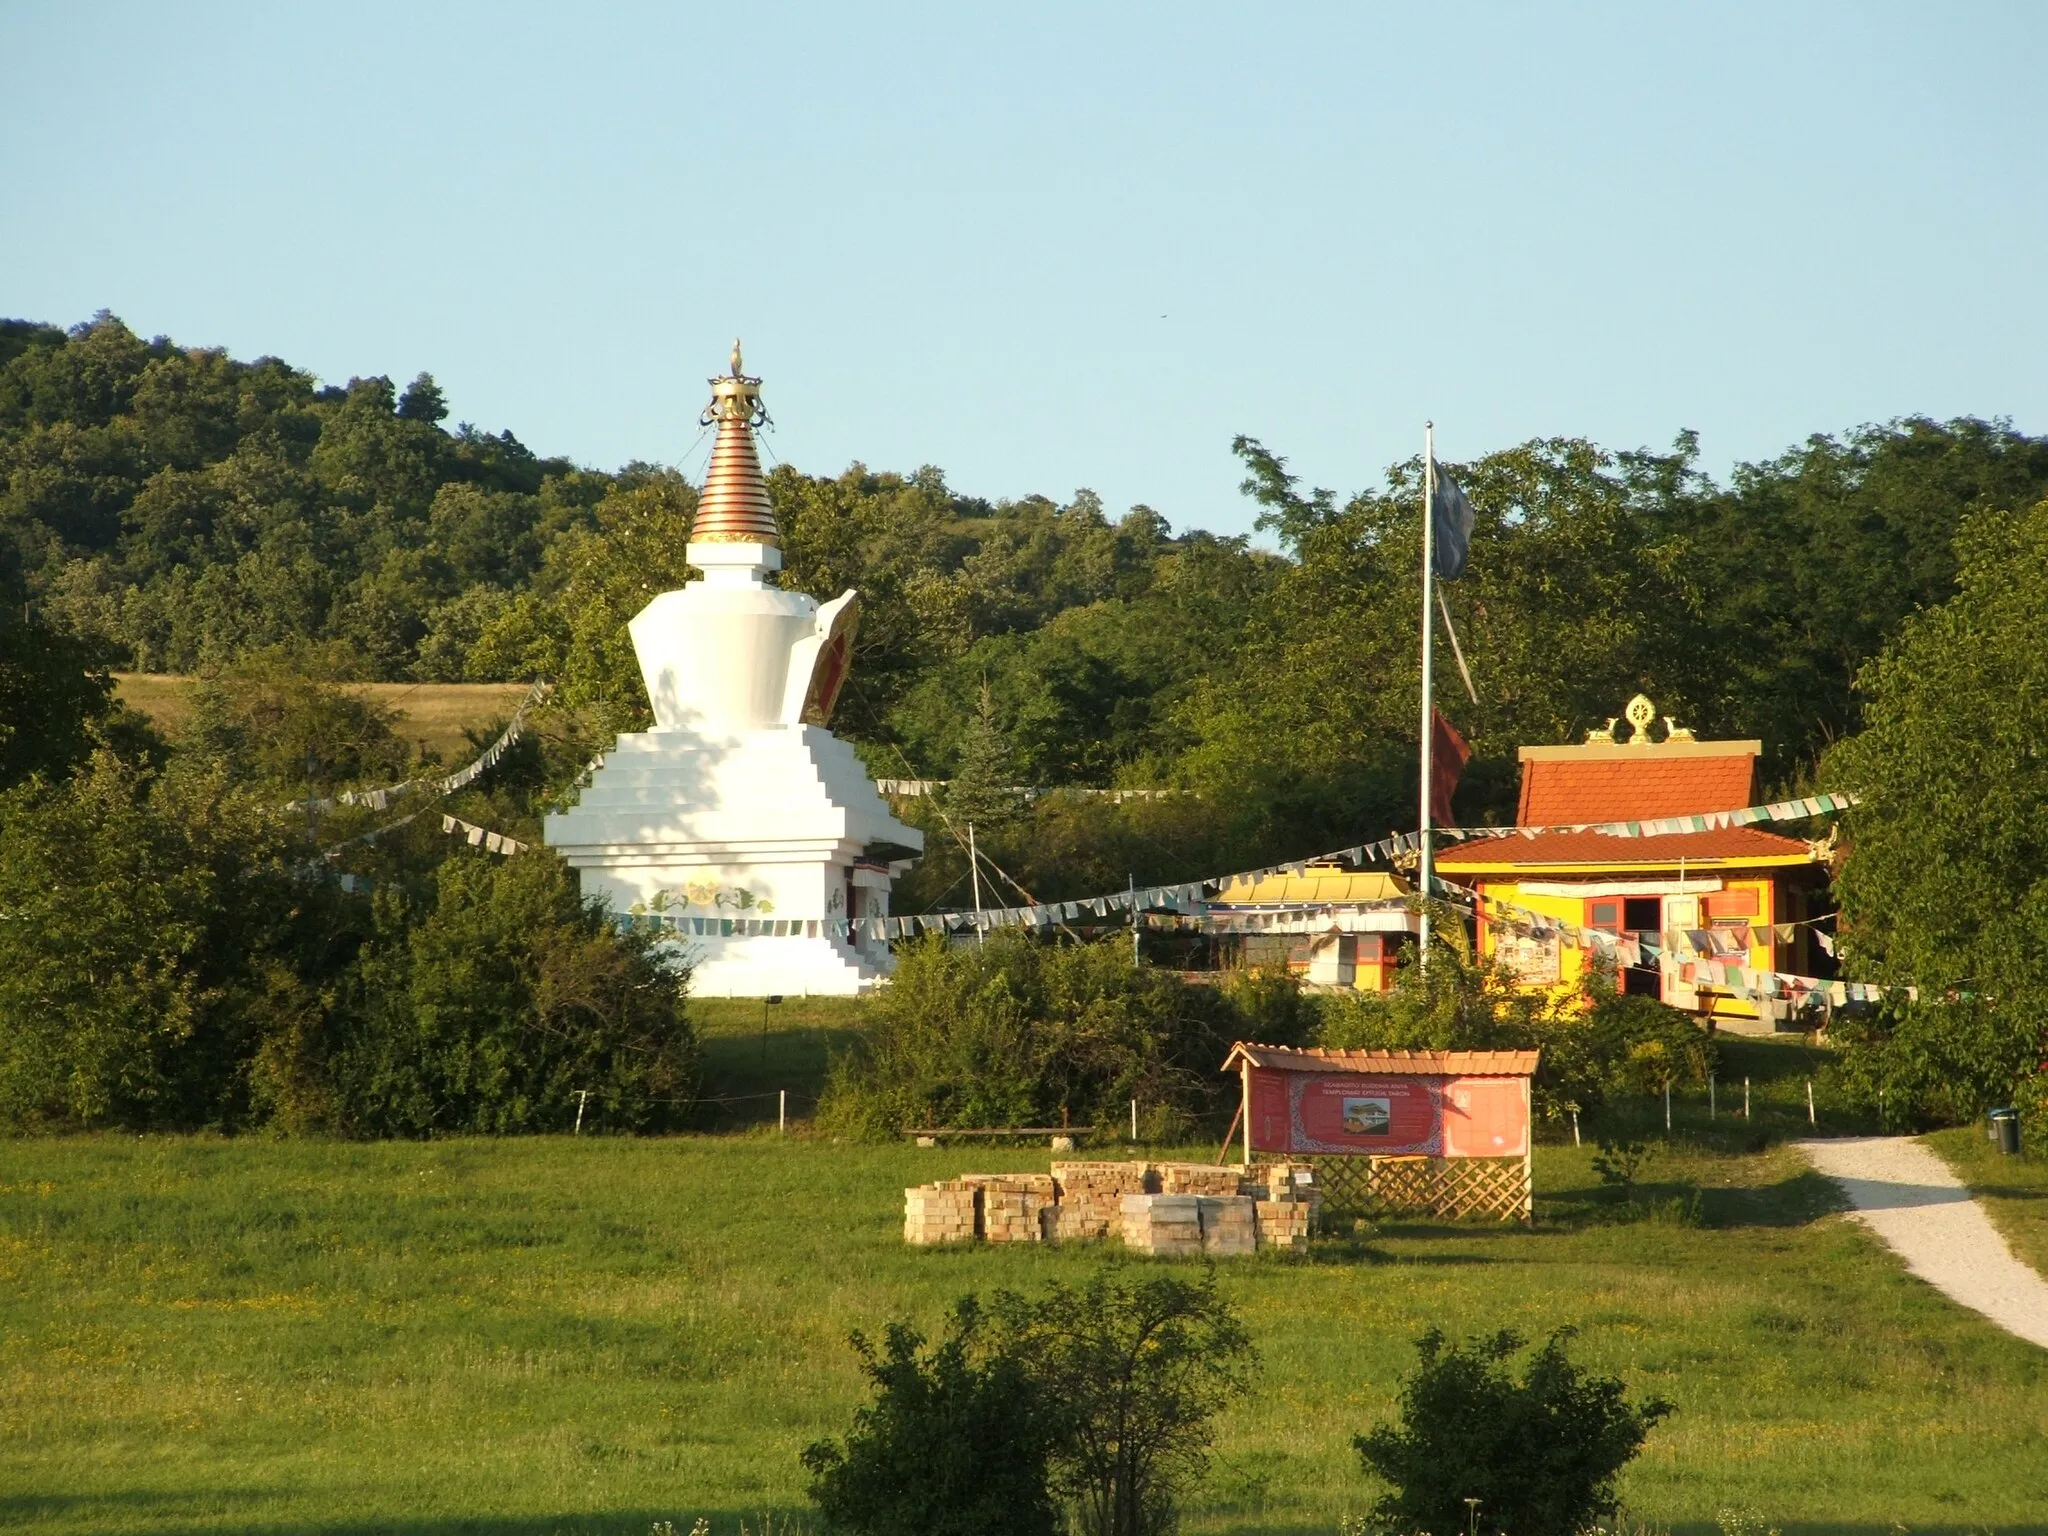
(778, 967)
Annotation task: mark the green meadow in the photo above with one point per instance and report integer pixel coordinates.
(587, 1335)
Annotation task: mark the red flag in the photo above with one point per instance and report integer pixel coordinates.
(1448, 755)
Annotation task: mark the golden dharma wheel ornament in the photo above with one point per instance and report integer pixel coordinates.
(1640, 713)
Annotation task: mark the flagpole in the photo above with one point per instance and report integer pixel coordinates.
(1426, 863)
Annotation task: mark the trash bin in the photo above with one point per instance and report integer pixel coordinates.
(2005, 1126)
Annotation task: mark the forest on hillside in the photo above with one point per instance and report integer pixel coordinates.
(178, 510)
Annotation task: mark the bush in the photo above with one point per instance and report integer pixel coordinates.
(491, 1011)
(169, 960)
(1019, 1032)
(1540, 1455)
(1101, 1396)
(1137, 1371)
(955, 1442)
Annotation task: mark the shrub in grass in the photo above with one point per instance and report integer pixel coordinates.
(492, 1010)
(1100, 1398)
(1019, 1032)
(955, 1442)
(1137, 1370)
(1539, 1454)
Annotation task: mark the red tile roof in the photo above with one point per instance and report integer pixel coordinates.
(1617, 788)
(1284, 1058)
(1602, 849)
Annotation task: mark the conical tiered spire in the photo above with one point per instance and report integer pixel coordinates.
(733, 507)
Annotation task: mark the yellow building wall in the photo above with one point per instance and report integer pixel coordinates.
(1574, 962)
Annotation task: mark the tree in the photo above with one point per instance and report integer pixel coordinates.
(1540, 1455)
(491, 1010)
(1945, 883)
(272, 717)
(422, 401)
(51, 697)
(955, 1442)
(155, 928)
(1016, 1032)
(1137, 1370)
(983, 790)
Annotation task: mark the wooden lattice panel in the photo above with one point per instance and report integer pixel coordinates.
(1494, 1187)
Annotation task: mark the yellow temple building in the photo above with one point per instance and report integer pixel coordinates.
(1739, 894)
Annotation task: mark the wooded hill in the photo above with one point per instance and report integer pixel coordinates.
(181, 510)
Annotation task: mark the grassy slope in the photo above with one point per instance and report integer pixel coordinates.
(543, 1335)
(753, 1049)
(435, 713)
(2013, 1189)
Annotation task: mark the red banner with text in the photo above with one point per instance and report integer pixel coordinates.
(1396, 1115)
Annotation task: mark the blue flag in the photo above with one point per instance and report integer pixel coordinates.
(1451, 515)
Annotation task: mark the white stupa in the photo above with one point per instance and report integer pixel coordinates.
(739, 816)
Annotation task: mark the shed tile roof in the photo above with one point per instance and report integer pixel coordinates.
(1387, 1063)
(1563, 790)
(1604, 849)
(1311, 886)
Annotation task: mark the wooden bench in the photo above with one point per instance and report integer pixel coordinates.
(929, 1136)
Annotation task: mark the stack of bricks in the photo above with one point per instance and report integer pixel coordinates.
(1015, 1207)
(946, 1212)
(1156, 1208)
(1166, 1226)
(1198, 1179)
(1288, 1201)
(1091, 1196)
(1229, 1224)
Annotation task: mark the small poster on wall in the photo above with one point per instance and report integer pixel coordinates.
(1369, 1116)
(1533, 957)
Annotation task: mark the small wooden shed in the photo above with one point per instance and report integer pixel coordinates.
(1441, 1132)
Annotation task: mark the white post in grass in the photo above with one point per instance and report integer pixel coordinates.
(1811, 1119)
(582, 1098)
(1745, 1098)
(782, 1111)
(1134, 1120)
(1424, 863)
(1667, 1109)
(1247, 1116)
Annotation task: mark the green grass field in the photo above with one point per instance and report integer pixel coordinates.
(587, 1335)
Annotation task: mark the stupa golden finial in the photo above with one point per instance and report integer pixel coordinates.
(733, 507)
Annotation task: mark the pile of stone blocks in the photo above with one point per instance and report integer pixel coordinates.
(1165, 1209)
(947, 1212)
(1016, 1207)
(1289, 1203)
(1166, 1226)
(1199, 1179)
(1091, 1196)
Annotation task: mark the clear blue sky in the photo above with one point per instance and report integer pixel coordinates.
(1047, 247)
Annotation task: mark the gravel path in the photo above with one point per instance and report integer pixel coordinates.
(1909, 1197)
